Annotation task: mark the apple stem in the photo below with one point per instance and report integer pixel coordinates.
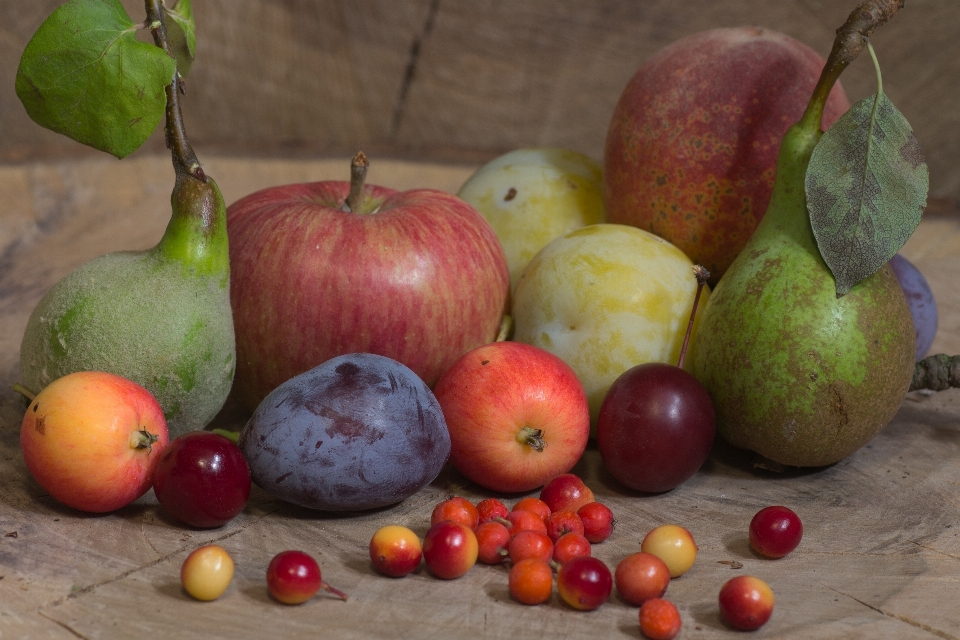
(22, 390)
(143, 439)
(358, 176)
(702, 276)
(334, 591)
(532, 437)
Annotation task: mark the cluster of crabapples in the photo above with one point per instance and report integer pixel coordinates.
(293, 577)
(548, 539)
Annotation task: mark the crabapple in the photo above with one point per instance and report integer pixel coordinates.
(561, 522)
(490, 509)
(523, 520)
(530, 544)
(746, 602)
(493, 539)
(535, 505)
(450, 549)
(566, 492)
(659, 619)
(293, 577)
(531, 581)
(395, 551)
(641, 576)
(775, 531)
(570, 545)
(597, 519)
(457, 509)
(584, 582)
(674, 545)
(207, 572)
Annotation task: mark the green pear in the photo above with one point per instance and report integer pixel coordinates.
(796, 373)
(159, 317)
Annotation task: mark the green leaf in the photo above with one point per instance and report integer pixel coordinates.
(181, 34)
(866, 188)
(84, 74)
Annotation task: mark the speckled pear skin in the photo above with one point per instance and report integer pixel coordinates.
(159, 317)
(357, 432)
(798, 375)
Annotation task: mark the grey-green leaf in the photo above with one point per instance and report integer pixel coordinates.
(84, 74)
(866, 189)
(181, 34)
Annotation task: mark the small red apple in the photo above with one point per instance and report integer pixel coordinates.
(517, 416)
(93, 439)
(418, 276)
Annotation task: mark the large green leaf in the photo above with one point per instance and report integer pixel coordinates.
(866, 189)
(84, 74)
(181, 34)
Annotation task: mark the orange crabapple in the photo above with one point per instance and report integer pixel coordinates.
(395, 551)
(531, 581)
(640, 577)
(659, 619)
(457, 509)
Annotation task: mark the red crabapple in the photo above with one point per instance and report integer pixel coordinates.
(561, 522)
(490, 509)
(597, 519)
(584, 582)
(294, 577)
(456, 509)
(570, 545)
(493, 539)
(566, 491)
(746, 603)
(775, 531)
(530, 544)
(450, 549)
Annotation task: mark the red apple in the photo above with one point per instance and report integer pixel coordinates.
(692, 145)
(92, 440)
(517, 415)
(418, 276)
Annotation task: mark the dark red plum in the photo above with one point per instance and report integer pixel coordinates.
(359, 431)
(923, 306)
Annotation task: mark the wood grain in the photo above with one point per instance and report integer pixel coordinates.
(464, 80)
(879, 558)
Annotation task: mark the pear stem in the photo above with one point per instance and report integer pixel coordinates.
(850, 41)
(184, 158)
(702, 276)
(358, 177)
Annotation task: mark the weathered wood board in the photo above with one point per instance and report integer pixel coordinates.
(468, 79)
(880, 556)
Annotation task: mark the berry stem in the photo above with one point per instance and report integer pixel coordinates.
(702, 276)
(334, 591)
(22, 390)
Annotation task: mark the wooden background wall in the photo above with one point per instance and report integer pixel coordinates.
(463, 80)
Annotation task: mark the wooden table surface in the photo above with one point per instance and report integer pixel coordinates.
(880, 557)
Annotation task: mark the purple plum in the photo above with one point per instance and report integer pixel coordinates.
(923, 307)
(357, 432)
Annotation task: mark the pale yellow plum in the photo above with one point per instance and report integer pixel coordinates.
(605, 298)
(531, 196)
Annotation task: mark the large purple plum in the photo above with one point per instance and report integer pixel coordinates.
(357, 432)
(923, 306)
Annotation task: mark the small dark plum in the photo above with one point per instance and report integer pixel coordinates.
(655, 427)
(359, 431)
(202, 479)
(923, 306)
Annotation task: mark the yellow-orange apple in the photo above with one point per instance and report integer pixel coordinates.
(531, 196)
(692, 145)
(517, 416)
(605, 298)
(93, 439)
